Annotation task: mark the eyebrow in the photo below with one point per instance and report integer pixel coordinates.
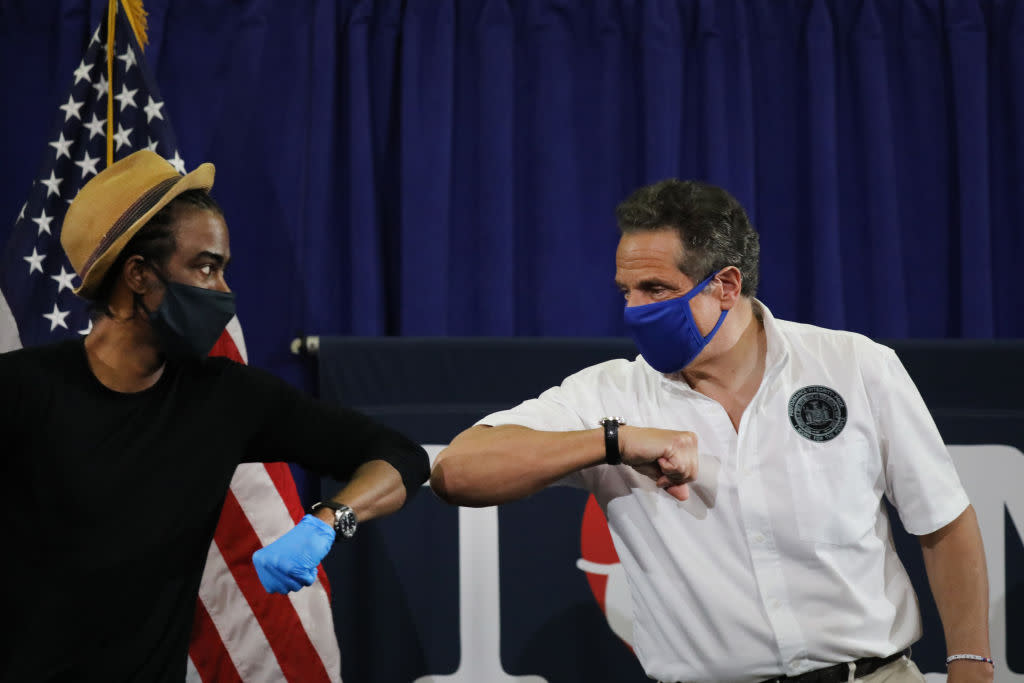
(646, 284)
(219, 258)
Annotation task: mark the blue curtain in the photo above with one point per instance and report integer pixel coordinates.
(451, 167)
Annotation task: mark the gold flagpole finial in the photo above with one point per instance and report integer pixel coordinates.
(137, 18)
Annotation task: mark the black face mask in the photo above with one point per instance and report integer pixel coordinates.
(190, 320)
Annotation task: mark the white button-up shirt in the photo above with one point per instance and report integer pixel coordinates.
(782, 559)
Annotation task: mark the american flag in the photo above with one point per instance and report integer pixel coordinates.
(240, 633)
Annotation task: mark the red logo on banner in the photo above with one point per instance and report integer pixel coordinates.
(604, 571)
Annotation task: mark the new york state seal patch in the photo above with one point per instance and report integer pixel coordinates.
(817, 413)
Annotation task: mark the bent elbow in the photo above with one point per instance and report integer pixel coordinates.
(455, 486)
(443, 484)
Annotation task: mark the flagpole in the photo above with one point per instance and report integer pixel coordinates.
(136, 14)
(111, 21)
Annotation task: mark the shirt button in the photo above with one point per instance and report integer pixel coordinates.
(774, 603)
(757, 538)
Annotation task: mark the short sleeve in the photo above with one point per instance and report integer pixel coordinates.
(921, 480)
(549, 412)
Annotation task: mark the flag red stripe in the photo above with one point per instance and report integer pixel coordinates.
(207, 650)
(226, 347)
(294, 650)
(281, 475)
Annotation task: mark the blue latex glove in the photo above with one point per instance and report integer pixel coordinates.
(289, 563)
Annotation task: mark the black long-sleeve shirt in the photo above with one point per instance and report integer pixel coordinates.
(110, 501)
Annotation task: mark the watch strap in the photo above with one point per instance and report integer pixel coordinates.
(612, 454)
(330, 504)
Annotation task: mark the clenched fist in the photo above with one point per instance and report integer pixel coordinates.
(666, 456)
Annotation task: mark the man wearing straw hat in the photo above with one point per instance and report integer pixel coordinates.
(119, 448)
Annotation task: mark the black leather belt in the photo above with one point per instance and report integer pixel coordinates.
(838, 673)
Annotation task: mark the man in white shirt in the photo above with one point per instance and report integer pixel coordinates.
(741, 462)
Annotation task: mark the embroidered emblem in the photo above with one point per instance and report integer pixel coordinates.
(817, 413)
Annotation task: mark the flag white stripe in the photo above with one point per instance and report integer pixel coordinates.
(235, 332)
(191, 675)
(9, 339)
(270, 519)
(248, 647)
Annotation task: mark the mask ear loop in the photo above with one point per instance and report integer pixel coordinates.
(700, 286)
(137, 298)
(721, 319)
(697, 290)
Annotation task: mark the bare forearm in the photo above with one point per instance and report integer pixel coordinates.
(955, 562)
(375, 490)
(492, 465)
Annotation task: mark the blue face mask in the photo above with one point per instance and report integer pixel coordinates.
(665, 333)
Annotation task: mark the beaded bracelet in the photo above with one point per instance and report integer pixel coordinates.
(973, 658)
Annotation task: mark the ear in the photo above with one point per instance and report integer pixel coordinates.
(136, 275)
(730, 285)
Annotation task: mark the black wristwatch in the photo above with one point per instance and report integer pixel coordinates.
(344, 518)
(612, 454)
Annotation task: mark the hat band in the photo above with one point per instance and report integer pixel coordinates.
(136, 211)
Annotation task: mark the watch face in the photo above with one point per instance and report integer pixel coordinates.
(345, 521)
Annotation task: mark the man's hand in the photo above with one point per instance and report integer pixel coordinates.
(289, 563)
(666, 456)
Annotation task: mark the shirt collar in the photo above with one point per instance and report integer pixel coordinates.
(778, 349)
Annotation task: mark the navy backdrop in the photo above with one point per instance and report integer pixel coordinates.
(433, 167)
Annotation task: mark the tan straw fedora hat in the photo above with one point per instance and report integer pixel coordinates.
(113, 206)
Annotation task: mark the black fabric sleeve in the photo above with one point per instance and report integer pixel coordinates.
(289, 426)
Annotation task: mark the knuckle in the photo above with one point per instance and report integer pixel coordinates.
(684, 441)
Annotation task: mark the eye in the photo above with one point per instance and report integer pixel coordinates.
(206, 270)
